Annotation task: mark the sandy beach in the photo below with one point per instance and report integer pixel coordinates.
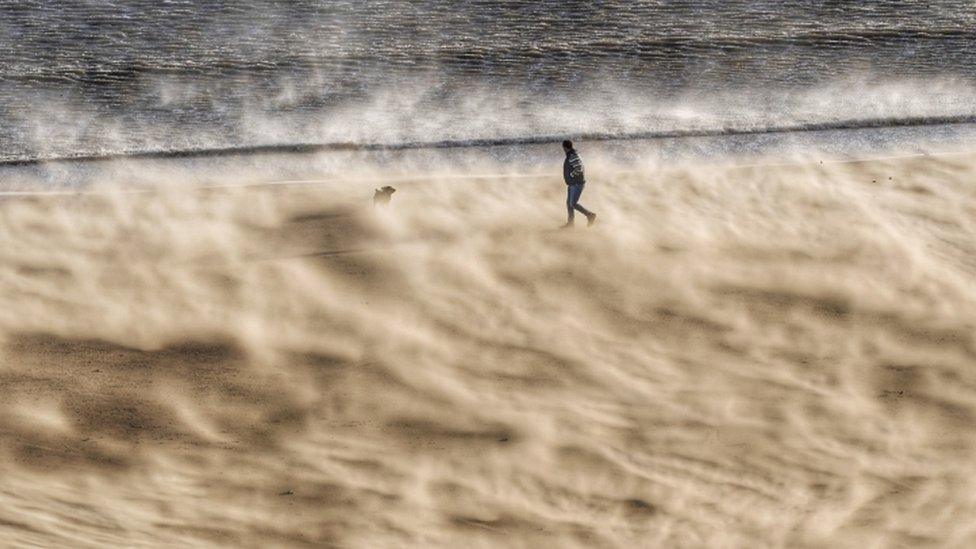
(769, 356)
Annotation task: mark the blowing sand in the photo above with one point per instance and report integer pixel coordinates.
(747, 357)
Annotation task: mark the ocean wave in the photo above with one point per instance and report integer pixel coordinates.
(310, 148)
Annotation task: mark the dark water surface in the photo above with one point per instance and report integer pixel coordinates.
(94, 77)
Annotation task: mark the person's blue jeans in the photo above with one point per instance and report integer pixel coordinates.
(573, 193)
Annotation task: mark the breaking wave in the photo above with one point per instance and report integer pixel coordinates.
(310, 148)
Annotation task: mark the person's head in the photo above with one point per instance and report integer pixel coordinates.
(567, 145)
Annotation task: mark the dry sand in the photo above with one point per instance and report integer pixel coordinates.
(749, 357)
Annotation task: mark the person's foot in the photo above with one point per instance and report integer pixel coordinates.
(590, 220)
(568, 225)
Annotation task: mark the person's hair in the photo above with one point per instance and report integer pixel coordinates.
(567, 144)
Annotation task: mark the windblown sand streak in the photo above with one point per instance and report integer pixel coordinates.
(777, 356)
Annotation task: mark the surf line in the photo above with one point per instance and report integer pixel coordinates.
(354, 146)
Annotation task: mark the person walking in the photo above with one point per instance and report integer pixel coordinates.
(575, 181)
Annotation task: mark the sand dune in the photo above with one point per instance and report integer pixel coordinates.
(733, 357)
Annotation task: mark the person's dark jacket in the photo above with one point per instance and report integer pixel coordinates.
(573, 169)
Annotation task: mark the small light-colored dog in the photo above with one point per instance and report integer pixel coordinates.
(382, 196)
